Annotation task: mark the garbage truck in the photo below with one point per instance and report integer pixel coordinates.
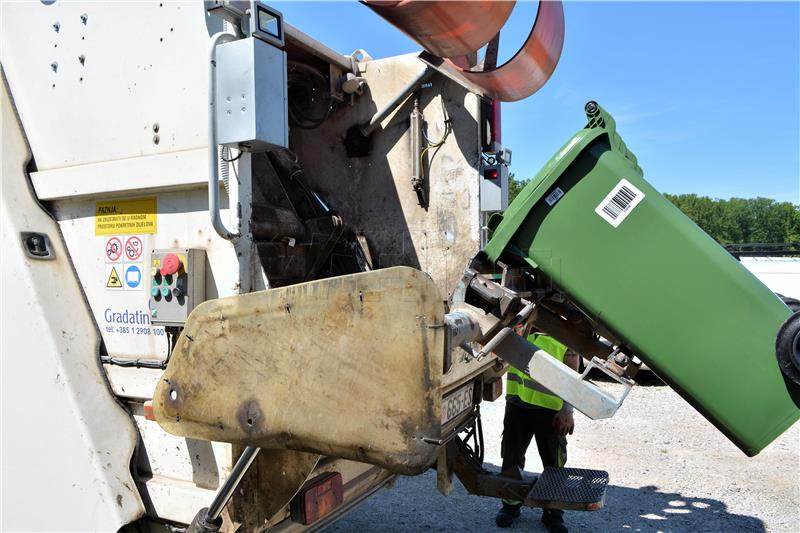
(249, 280)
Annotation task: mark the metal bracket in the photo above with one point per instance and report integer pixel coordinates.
(603, 366)
(554, 377)
(520, 318)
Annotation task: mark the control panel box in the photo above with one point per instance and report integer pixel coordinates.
(494, 187)
(177, 284)
(251, 100)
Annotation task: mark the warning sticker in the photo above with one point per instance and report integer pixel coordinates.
(113, 279)
(124, 262)
(133, 248)
(125, 217)
(113, 249)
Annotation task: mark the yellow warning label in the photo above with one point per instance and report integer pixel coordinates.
(156, 262)
(125, 217)
(114, 281)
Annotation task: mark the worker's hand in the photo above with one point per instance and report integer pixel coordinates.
(563, 423)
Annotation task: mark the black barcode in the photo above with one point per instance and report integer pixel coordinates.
(554, 196)
(620, 202)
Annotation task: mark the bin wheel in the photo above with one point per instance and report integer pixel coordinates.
(787, 347)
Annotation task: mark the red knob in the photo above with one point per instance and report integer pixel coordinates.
(170, 265)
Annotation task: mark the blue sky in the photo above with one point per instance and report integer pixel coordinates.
(707, 95)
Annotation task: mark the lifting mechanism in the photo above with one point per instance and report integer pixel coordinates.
(337, 345)
(401, 339)
(484, 316)
(360, 283)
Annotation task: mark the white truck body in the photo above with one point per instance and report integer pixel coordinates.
(105, 103)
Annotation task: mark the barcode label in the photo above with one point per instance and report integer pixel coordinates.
(554, 196)
(619, 203)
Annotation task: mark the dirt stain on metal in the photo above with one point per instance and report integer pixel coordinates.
(250, 417)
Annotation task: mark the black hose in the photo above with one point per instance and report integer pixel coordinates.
(309, 80)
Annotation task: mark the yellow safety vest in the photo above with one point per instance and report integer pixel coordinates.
(516, 380)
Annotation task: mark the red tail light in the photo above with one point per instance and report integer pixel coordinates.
(491, 173)
(317, 499)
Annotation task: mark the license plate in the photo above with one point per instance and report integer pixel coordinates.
(457, 402)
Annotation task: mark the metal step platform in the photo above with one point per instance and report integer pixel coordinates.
(576, 489)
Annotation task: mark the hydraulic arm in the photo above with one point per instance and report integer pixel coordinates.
(353, 366)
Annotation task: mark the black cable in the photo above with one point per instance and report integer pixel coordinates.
(170, 331)
(448, 128)
(479, 430)
(302, 77)
(138, 363)
(232, 160)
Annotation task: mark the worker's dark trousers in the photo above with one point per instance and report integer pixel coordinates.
(520, 425)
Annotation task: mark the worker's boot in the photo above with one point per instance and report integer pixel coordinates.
(507, 514)
(553, 520)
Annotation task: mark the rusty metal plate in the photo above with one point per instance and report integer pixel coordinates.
(446, 29)
(348, 367)
(456, 30)
(531, 66)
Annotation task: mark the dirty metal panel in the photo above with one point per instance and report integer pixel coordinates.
(347, 367)
(374, 193)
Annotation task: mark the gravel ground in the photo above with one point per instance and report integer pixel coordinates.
(670, 470)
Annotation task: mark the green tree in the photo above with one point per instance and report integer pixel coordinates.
(741, 220)
(515, 186)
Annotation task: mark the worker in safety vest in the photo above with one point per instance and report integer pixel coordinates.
(531, 412)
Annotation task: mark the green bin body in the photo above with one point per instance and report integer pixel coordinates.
(684, 305)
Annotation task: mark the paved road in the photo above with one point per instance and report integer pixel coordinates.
(670, 471)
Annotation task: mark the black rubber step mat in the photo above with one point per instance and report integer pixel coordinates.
(569, 488)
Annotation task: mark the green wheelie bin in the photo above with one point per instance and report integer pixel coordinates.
(635, 264)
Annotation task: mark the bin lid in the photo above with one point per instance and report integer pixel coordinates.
(600, 123)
